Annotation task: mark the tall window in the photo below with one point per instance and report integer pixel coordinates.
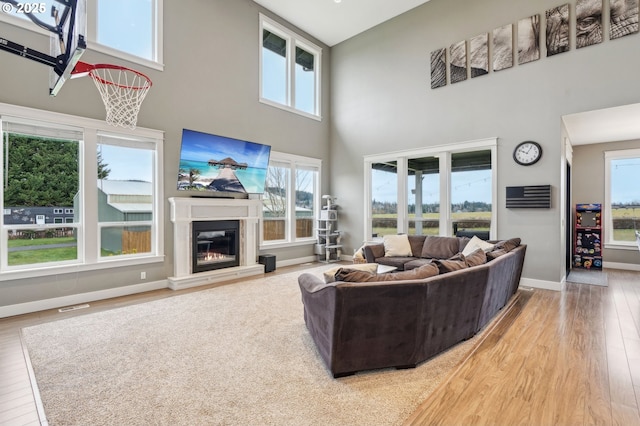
(471, 191)
(622, 198)
(130, 29)
(441, 192)
(289, 70)
(291, 199)
(125, 195)
(41, 171)
(384, 198)
(75, 194)
(423, 184)
(130, 26)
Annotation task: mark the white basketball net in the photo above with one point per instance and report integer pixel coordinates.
(122, 91)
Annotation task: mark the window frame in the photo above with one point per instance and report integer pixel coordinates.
(293, 163)
(293, 40)
(92, 10)
(609, 242)
(88, 243)
(444, 153)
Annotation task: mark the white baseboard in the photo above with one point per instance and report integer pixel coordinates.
(542, 284)
(623, 266)
(74, 299)
(297, 261)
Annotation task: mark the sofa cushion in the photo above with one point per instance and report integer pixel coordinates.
(416, 242)
(397, 261)
(477, 257)
(454, 263)
(396, 245)
(425, 271)
(476, 243)
(329, 274)
(416, 263)
(440, 247)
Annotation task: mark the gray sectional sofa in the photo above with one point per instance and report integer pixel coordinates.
(365, 321)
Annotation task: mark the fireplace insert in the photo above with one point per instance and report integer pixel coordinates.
(216, 245)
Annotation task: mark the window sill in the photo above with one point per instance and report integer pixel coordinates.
(290, 109)
(621, 246)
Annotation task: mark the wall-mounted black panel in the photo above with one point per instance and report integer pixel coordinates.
(529, 197)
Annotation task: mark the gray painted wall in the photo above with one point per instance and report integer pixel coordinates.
(209, 83)
(382, 102)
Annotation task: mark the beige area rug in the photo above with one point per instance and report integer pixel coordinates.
(238, 354)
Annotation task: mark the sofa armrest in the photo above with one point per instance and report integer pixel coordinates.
(372, 252)
(311, 284)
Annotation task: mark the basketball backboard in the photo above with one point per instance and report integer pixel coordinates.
(66, 22)
(68, 45)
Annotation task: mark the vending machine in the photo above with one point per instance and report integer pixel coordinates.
(588, 237)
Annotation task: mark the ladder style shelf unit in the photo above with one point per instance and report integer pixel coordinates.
(328, 247)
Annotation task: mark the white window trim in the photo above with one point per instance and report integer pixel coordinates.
(293, 40)
(87, 258)
(91, 35)
(294, 162)
(609, 242)
(443, 152)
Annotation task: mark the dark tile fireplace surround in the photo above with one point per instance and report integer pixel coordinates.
(216, 245)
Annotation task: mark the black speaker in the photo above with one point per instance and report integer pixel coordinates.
(269, 262)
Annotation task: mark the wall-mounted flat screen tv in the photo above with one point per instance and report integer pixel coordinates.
(211, 164)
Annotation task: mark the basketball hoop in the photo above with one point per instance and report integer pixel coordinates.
(122, 90)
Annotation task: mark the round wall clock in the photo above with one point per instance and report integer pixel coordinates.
(527, 153)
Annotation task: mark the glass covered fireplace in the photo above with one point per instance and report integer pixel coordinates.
(216, 245)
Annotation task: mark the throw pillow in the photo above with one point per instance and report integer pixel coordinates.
(396, 245)
(353, 276)
(494, 254)
(476, 243)
(329, 275)
(508, 245)
(440, 247)
(450, 265)
(478, 257)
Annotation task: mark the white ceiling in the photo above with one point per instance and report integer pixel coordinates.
(332, 22)
(614, 124)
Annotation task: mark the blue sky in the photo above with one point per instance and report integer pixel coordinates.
(198, 146)
(625, 175)
(123, 24)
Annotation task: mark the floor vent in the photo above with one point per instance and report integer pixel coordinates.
(73, 308)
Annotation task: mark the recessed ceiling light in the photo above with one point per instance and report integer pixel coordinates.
(338, 1)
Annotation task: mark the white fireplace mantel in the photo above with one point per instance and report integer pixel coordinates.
(186, 210)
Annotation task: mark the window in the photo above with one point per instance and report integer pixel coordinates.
(622, 199)
(441, 192)
(40, 169)
(423, 174)
(291, 199)
(384, 198)
(128, 29)
(289, 70)
(76, 195)
(125, 195)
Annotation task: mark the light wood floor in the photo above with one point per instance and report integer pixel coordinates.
(568, 358)
(562, 358)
